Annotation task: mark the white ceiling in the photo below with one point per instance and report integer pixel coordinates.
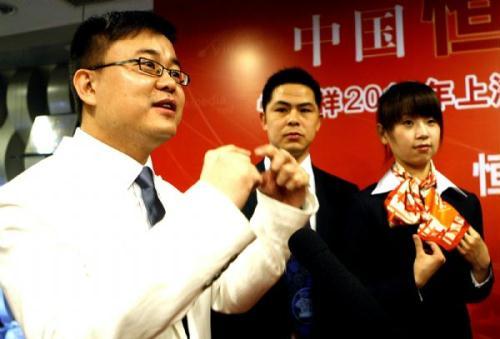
(40, 31)
(33, 15)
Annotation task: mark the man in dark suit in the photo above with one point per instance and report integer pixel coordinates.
(291, 101)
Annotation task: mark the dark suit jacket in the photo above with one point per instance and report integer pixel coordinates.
(270, 318)
(383, 259)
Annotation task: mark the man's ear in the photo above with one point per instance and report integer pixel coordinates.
(319, 121)
(84, 82)
(263, 121)
(382, 134)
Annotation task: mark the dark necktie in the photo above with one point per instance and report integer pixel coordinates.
(153, 205)
(299, 284)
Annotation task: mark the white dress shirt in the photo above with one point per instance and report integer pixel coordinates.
(79, 260)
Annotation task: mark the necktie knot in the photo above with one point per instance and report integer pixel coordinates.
(145, 178)
(154, 207)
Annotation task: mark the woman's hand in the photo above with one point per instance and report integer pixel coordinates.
(427, 262)
(474, 250)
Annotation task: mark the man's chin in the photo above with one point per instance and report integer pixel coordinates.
(163, 135)
(296, 152)
(293, 147)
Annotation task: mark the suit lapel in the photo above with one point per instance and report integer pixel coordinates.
(320, 215)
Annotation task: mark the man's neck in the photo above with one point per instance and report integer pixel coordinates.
(301, 157)
(133, 149)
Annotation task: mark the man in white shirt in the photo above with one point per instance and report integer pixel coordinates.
(79, 257)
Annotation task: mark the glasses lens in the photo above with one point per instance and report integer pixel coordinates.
(150, 66)
(179, 76)
(176, 75)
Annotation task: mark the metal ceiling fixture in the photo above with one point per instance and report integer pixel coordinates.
(7, 9)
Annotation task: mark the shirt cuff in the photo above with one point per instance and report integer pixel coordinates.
(477, 284)
(278, 220)
(420, 295)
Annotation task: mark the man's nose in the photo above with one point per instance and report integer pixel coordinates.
(166, 82)
(293, 117)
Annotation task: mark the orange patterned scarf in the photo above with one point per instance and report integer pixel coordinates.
(418, 202)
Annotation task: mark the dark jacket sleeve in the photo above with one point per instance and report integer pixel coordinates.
(476, 294)
(456, 273)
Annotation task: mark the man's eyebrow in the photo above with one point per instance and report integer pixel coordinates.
(154, 52)
(305, 104)
(281, 102)
(286, 103)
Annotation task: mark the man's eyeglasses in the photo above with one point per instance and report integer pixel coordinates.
(151, 67)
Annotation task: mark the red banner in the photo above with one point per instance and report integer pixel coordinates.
(355, 50)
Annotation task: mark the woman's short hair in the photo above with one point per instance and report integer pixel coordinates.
(408, 99)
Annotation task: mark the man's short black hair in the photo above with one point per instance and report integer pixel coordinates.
(292, 75)
(94, 36)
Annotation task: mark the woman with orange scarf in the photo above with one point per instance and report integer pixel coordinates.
(416, 238)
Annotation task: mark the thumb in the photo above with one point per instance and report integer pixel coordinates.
(419, 247)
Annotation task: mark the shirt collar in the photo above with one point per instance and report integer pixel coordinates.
(111, 166)
(389, 182)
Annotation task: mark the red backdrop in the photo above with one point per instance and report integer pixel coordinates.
(355, 50)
